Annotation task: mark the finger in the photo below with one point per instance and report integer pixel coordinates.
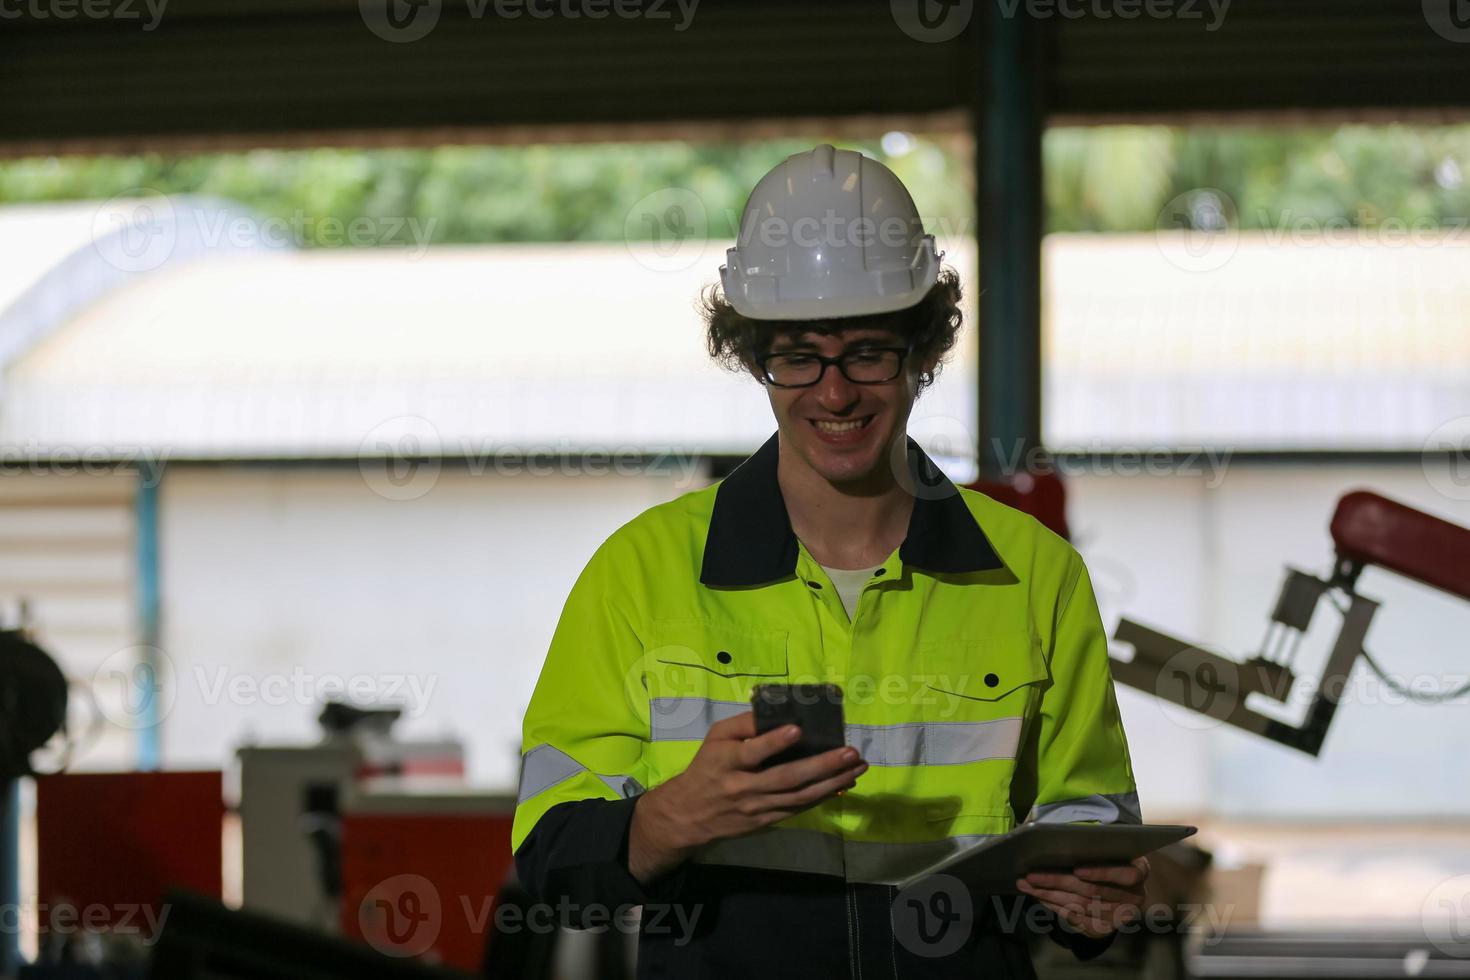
(754, 751)
(1116, 874)
(1086, 889)
(800, 772)
(1083, 904)
(813, 793)
(736, 726)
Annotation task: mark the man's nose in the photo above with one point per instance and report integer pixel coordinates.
(834, 391)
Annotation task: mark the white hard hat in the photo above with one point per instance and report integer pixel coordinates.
(828, 233)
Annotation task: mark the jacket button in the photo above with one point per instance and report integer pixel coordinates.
(815, 585)
(880, 571)
(723, 657)
(991, 680)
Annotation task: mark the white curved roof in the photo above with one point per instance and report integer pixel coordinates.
(572, 347)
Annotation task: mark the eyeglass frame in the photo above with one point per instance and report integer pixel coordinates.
(826, 362)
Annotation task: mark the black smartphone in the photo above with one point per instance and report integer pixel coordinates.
(816, 708)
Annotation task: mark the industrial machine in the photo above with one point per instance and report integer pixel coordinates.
(1367, 529)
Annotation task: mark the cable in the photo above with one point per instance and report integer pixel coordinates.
(1418, 697)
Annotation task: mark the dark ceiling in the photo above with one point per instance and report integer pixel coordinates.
(269, 71)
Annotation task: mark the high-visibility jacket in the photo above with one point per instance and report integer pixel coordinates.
(975, 682)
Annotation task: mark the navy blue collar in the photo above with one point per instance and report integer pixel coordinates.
(750, 541)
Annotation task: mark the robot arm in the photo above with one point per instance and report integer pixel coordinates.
(1367, 529)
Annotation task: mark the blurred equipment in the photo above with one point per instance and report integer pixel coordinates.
(828, 233)
(203, 940)
(1367, 529)
(32, 702)
(291, 804)
(1041, 494)
(409, 850)
(91, 889)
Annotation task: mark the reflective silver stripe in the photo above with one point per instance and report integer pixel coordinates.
(1103, 807)
(686, 719)
(939, 743)
(814, 852)
(942, 743)
(546, 765)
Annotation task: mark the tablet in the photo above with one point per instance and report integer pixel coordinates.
(992, 866)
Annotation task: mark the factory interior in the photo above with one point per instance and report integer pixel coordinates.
(336, 337)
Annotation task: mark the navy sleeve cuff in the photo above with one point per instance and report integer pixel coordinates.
(577, 856)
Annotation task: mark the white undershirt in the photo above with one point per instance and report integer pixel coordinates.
(849, 583)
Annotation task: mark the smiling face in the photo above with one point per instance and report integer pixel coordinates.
(840, 429)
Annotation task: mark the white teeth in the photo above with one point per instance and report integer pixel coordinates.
(835, 427)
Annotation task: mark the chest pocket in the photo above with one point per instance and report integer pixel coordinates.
(694, 657)
(984, 677)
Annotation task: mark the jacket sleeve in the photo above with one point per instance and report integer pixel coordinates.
(582, 767)
(1083, 772)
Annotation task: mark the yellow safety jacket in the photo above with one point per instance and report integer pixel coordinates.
(974, 670)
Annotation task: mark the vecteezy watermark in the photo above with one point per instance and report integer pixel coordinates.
(139, 230)
(1445, 458)
(1198, 231)
(401, 459)
(35, 459)
(137, 687)
(1365, 229)
(402, 21)
(221, 683)
(94, 918)
(1450, 19)
(935, 21)
(935, 915)
(1208, 463)
(669, 229)
(1211, 13)
(148, 12)
(404, 916)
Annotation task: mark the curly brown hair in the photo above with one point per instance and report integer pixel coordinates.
(931, 327)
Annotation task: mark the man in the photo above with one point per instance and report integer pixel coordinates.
(965, 635)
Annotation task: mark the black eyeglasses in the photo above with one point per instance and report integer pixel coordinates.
(864, 366)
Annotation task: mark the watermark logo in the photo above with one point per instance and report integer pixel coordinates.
(932, 21)
(1450, 19)
(933, 917)
(400, 21)
(135, 231)
(668, 230)
(1445, 459)
(1445, 916)
(401, 916)
(1198, 231)
(400, 458)
(1197, 691)
(135, 687)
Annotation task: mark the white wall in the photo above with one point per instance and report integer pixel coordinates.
(459, 589)
(456, 591)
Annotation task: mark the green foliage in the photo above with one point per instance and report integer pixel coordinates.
(1104, 179)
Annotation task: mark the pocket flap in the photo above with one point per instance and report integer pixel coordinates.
(986, 668)
(727, 650)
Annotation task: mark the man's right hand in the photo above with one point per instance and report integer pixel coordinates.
(725, 793)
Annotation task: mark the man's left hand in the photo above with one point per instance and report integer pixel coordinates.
(1094, 901)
